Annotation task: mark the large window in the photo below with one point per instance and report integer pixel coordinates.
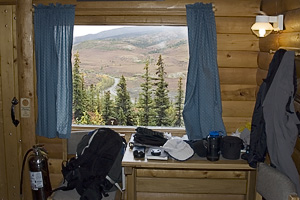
(129, 75)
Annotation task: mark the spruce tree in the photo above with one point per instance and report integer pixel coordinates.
(123, 104)
(92, 98)
(145, 101)
(84, 98)
(161, 98)
(78, 101)
(179, 104)
(107, 109)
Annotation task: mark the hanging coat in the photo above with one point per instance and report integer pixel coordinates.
(281, 119)
(258, 142)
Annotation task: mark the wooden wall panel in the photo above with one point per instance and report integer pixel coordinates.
(289, 40)
(269, 43)
(241, 76)
(222, 8)
(276, 7)
(239, 25)
(9, 133)
(177, 185)
(237, 108)
(272, 7)
(7, 2)
(161, 173)
(233, 42)
(238, 92)
(264, 60)
(239, 59)
(283, 40)
(291, 21)
(176, 196)
(130, 20)
(3, 183)
(291, 5)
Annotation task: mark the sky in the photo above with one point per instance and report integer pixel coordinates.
(80, 30)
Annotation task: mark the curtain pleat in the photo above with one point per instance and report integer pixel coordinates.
(202, 111)
(53, 30)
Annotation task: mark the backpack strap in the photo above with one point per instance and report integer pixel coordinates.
(82, 159)
(114, 183)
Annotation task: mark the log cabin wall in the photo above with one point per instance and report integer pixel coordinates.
(289, 37)
(237, 60)
(10, 147)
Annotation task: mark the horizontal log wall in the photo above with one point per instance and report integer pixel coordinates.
(289, 38)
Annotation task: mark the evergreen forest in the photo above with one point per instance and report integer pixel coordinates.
(94, 104)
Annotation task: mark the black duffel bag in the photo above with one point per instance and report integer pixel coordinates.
(149, 137)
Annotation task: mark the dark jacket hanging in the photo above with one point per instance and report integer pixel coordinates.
(258, 143)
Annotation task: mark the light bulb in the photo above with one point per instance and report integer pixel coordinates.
(262, 32)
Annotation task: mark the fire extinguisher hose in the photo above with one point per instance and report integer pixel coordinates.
(23, 164)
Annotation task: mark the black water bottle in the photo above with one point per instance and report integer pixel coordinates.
(213, 146)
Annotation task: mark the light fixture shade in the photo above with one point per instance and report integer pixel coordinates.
(262, 29)
(262, 26)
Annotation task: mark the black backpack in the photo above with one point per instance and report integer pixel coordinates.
(97, 168)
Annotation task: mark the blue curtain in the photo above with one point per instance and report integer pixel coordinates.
(53, 31)
(202, 111)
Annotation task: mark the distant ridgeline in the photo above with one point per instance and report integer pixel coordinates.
(124, 51)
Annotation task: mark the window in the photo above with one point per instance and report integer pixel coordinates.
(129, 75)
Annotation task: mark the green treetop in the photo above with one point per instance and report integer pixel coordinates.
(123, 104)
(78, 96)
(161, 98)
(145, 102)
(179, 104)
(107, 108)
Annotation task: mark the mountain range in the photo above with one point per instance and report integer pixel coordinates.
(124, 51)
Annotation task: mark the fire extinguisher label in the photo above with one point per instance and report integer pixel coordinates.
(36, 180)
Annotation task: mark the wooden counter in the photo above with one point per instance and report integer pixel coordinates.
(196, 178)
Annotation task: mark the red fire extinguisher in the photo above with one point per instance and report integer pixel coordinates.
(39, 173)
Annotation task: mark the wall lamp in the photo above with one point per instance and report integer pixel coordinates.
(262, 26)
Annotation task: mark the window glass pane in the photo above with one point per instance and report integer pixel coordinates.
(114, 59)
